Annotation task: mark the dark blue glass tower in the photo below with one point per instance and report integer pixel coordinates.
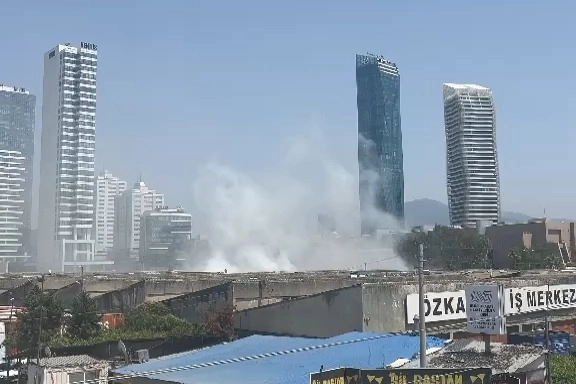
(17, 121)
(380, 156)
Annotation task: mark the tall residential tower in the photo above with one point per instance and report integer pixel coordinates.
(17, 122)
(107, 188)
(380, 156)
(66, 209)
(473, 182)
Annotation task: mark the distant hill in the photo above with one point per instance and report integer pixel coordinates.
(431, 212)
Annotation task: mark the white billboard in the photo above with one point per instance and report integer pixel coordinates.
(449, 306)
(485, 309)
(438, 306)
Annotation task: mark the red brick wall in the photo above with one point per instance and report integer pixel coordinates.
(565, 326)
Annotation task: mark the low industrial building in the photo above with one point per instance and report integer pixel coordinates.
(392, 307)
(535, 233)
(523, 361)
(274, 359)
(68, 370)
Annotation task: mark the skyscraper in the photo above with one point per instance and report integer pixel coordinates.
(129, 208)
(17, 122)
(66, 209)
(12, 195)
(380, 155)
(472, 177)
(107, 188)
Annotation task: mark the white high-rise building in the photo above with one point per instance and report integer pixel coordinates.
(12, 204)
(107, 188)
(129, 207)
(473, 181)
(66, 208)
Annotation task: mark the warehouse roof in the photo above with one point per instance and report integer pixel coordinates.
(279, 359)
(466, 353)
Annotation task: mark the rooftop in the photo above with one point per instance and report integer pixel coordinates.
(466, 86)
(279, 359)
(470, 353)
(69, 361)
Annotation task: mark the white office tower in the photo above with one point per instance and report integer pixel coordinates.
(107, 188)
(12, 204)
(129, 207)
(66, 207)
(473, 181)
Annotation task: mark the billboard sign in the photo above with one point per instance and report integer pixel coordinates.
(426, 376)
(450, 306)
(336, 376)
(485, 309)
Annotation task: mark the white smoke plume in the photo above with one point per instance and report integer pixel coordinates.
(272, 224)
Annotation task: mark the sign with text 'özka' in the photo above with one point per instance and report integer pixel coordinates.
(485, 309)
(450, 306)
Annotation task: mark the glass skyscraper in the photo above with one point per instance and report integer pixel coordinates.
(17, 122)
(380, 156)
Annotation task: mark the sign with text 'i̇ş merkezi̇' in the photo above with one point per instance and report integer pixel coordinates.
(485, 309)
(449, 306)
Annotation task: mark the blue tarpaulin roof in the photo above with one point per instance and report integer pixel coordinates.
(279, 359)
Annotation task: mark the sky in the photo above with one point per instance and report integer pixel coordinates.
(181, 83)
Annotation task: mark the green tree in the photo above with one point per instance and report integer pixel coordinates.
(84, 321)
(43, 309)
(546, 256)
(157, 318)
(447, 248)
(563, 369)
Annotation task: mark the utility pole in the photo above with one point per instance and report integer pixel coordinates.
(422, 311)
(36, 376)
(82, 278)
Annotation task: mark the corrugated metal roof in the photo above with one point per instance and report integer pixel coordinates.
(281, 360)
(68, 361)
(470, 353)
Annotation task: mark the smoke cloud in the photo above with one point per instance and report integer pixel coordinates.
(272, 223)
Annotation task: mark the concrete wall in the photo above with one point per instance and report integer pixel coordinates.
(122, 300)
(196, 306)
(161, 287)
(384, 305)
(286, 288)
(322, 315)
(18, 293)
(68, 293)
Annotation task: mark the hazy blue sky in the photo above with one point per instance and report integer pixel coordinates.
(183, 81)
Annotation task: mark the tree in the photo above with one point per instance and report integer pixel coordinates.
(563, 369)
(447, 248)
(157, 318)
(43, 309)
(220, 322)
(546, 256)
(84, 321)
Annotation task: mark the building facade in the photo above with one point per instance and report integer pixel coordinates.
(534, 233)
(17, 123)
(107, 188)
(67, 201)
(380, 154)
(165, 238)
(12, 205)
(129, 207)
(472, 175)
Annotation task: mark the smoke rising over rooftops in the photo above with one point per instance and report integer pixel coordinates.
(272, 224)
